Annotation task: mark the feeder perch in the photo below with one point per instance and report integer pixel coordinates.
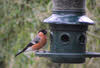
(68, 25)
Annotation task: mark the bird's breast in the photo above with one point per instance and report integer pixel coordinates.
(39, 45)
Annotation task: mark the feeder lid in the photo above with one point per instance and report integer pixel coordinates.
(68, 19)
(85, 19)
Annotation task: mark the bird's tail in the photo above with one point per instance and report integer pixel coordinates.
(30, 44)
(19, 53)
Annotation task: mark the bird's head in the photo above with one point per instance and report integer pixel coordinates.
(43, 31)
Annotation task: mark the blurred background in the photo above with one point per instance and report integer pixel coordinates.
(19, 22)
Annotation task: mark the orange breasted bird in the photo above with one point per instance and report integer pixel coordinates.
(38, 42)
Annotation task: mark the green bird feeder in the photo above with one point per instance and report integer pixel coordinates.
(68, 25)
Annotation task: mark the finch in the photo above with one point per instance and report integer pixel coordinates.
(38, 42)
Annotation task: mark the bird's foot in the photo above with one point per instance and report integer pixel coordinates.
(43, 51)
(36, 51)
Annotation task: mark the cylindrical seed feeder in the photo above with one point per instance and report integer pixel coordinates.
(68, 25)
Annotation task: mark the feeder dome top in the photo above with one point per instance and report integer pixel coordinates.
(68, 19)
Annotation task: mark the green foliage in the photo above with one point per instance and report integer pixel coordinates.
(18, 20)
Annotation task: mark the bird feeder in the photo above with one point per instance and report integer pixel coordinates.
(68, 25)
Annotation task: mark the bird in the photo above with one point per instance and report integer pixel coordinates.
(37, 43)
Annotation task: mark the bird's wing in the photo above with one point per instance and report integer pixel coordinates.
(36, 40)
